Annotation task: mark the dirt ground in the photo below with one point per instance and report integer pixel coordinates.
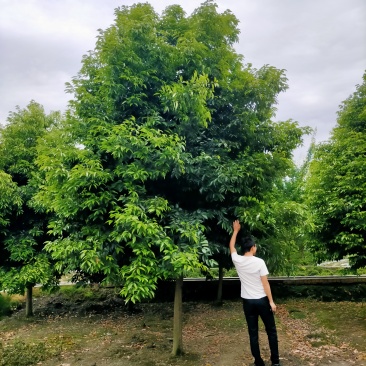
(106, 334)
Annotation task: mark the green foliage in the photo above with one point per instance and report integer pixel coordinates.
(7, 305)
(23, 228)
(336, 186)
(81, 293)
(169, 137)
(18, 140)
(280, 222)
(10, 200)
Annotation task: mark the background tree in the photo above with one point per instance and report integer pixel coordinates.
(336, 185)
(23, 229)
(169, 137)
(284, 221)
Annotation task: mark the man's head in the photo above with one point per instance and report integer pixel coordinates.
(246, 244)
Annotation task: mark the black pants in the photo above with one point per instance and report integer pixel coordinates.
(252, 309)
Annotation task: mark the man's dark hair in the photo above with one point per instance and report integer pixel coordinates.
(246, 243)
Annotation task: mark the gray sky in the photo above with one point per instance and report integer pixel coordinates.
(321, 44)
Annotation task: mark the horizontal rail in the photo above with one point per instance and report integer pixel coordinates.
(296, 280)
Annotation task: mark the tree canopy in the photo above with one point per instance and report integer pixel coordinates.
(23, 228)
(169, 137)
(337, 185)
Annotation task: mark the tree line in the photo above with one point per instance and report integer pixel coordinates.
(169, 137)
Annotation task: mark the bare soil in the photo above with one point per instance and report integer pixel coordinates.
(105, 333)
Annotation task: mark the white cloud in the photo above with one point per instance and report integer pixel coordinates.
(321, 44)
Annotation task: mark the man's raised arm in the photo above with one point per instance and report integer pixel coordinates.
(236, 228)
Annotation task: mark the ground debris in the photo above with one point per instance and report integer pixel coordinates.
(212, 335)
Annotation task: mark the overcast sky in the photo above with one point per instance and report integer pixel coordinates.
(321, 44)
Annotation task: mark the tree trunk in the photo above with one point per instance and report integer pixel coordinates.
(29, 301)
(178, 321)
(219, 288)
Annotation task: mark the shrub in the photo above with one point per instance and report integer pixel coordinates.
(7, 305)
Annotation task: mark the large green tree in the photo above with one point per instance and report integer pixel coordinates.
(168, 138)
(23, 228)
(337, 185)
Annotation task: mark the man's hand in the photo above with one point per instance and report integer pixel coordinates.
(236, 226)
(267, 290)
(273, 307)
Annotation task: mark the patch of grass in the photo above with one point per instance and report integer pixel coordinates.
(20, 353)
(84, 293)
(318, 339)
(228, 323)
(297, 314)
(345, 319)
(76, 292)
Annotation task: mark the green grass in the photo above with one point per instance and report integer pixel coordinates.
(344, 319)
(75, 292)
(318, 339)
(297, 314)
(20, 353)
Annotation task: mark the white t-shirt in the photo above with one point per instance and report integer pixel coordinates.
(250, 269)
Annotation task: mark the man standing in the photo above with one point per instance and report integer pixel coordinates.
(256, 295)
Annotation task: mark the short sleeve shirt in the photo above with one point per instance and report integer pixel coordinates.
(250, 269)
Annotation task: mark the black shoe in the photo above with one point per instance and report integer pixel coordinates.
(276, 364)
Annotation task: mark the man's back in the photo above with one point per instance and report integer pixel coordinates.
(250, 269)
